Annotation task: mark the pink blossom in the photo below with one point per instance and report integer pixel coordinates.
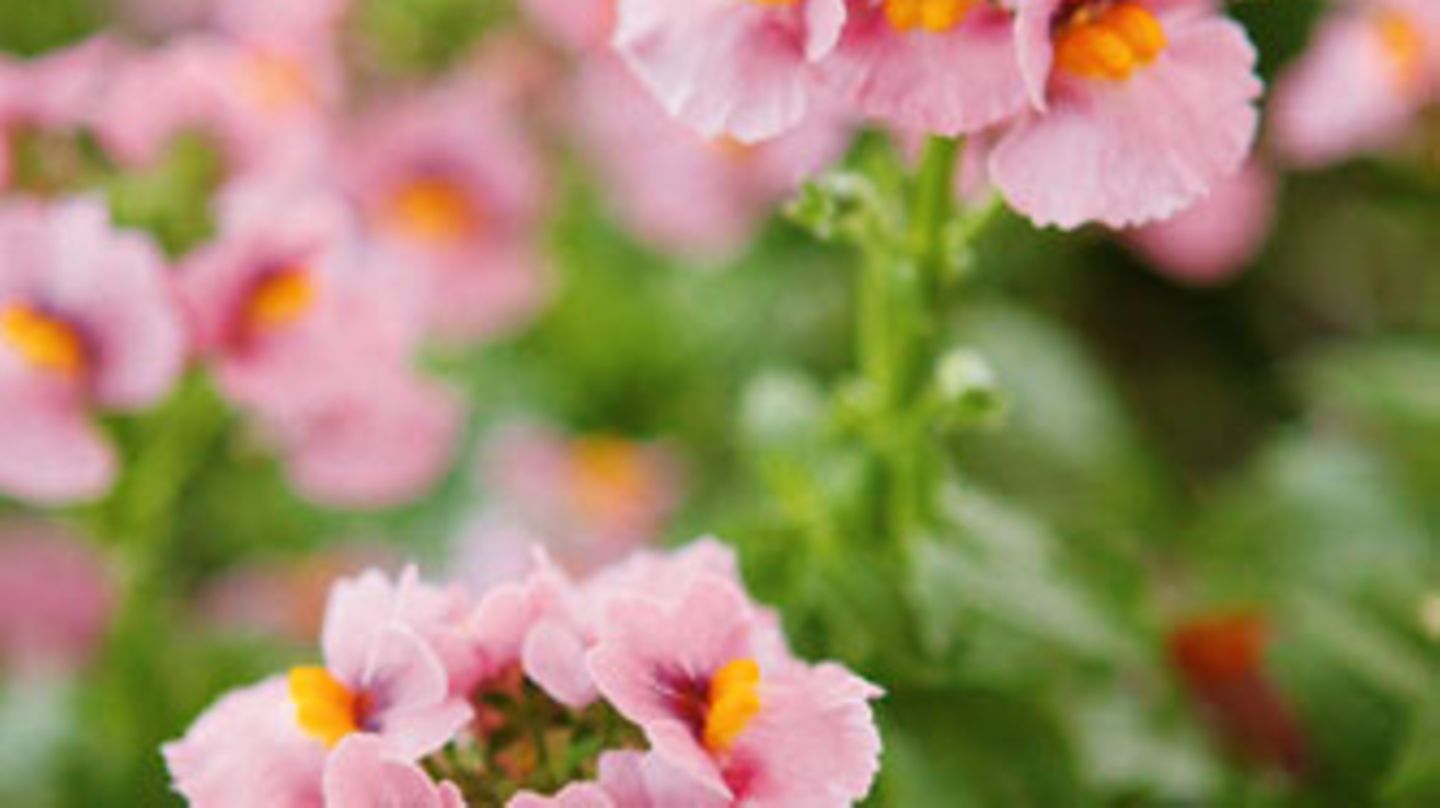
(726, 711)
(382, 676)
(55, 92)
(747, 70)
(317, 340)
(1372, 66)
(684, 192)
(257, 101)
(88, 322)
(55, 598)
(588, 500)
(247, 750)
(1130, 136)
(360, 774)
(1215, 238)
(450, 189)
(940, 66)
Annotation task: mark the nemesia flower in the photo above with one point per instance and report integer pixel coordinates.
(258, 101)
(684, 192)
(753, 728)
(55, 598)
(588, 500)
(361, 775)
(1215, 238)
(1372, 66)
(54, 92)
(450, 190)
(747, 70)
(318, 343)
(667, 640)
(88, 322)
(940, 66)
(1220, 660)
(1142, 106)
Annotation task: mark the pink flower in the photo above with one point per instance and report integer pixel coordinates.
(450, 189)
(940, 66)
(55, 92)
(257, 101)
(317, 340)
(247, 749)
(575, 795)
(55, 598)
(719, 705)
(1371, 68)
(1218, 236)
(1142, 106)
(588, 500)
(381, 674)
(88, 322)
(684, 192)
(360, 774)
(745, 69)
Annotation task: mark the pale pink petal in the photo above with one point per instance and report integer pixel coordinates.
(50, 452)
(360, 774)
(247, 750)
(1218, 236)
(575, 795)
(554, 658)
(1130, 152)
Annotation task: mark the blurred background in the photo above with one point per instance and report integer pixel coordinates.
(1201, 528)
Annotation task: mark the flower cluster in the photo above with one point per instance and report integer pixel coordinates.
(343, 226)
(655, 682)
(1116, 111)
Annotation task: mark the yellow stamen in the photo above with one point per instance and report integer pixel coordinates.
(934, 16)
(734, 700)
(610, 476)
(1404, 48)
(45, 341)
(281, 298)
(1111, 45)
(324, 708)
(434, 211)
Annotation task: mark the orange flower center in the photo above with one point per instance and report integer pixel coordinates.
(733, 702)
(45, 341)
(277, 82)
(935, 16)
(610, 476)
(1404, 48)
(324, 708)
(1109, 42)
(281, 298)
(434, 211)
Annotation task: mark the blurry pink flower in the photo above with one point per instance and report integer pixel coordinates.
(285, 600)
(246, 750)
(381, 675)
(678, 189)
(751, 726)
(88, 321)
(55, 92)
(747, 70)
(581, 25)
(1371, 68)
(587, 500)
(1142, 106)
(55, 598)
(318, 341)
(939, 66)
(258, 101)
(361, 774)
(307, 25)
(1215, 238)
(450, 188)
